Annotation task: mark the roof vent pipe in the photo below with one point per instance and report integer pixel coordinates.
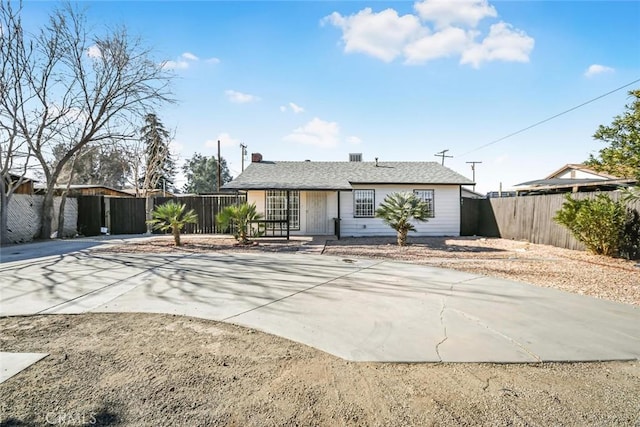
(376, 162)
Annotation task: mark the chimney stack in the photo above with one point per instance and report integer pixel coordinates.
(256, 157)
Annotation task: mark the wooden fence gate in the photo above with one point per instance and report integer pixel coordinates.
(206, 207)
(126, 215)
(90, 215)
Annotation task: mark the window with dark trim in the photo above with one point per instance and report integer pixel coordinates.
(427, 196)
(363, 203)
(276, 207)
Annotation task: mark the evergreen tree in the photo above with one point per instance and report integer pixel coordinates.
(202, 173)
(160, 167)
(622, 156)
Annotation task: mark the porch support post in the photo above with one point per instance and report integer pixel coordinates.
(337, 230)
(288, 214)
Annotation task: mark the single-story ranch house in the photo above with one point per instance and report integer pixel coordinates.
(340, 198)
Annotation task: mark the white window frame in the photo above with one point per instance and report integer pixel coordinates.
(276, 207)
(364, 202)
(428, 196)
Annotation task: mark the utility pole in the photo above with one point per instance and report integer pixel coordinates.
(473, 170)
(244, 153)
(443, 155)
(218, 163)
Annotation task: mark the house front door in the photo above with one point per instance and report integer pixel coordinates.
(316, 212)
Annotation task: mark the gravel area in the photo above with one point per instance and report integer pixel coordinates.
(548, 266)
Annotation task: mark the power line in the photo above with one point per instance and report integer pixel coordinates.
(550, 118)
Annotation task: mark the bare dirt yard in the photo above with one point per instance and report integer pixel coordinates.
(153, 370)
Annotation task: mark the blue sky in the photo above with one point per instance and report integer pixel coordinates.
(298, 80)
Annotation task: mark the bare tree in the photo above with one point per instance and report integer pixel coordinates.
(79, 89)
(14, 151)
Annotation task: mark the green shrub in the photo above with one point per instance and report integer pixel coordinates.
(605, 227)
(240, 219)
(171, 216)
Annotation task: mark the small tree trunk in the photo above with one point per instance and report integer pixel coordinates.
(47, 214)
(63, 202)
(176, 236)
(402, 238)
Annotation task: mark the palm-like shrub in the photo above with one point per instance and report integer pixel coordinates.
(239, 218)
(399, 209)
(170, 216)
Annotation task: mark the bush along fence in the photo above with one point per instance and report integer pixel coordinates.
(605, 226)
(531, 218)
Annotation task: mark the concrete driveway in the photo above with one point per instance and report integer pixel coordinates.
(361, 310)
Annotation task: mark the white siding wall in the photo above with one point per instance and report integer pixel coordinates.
(258, 197)
(445, 223)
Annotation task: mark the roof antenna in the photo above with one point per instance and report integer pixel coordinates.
(376, 162)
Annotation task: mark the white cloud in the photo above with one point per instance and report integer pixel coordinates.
(239, 97)
(189, 56)
(181, 63)
(439, 29)
(296, 108)
(212, 60)
(595, 69)
(94, 52)
(451, 12)
(504, 43)
(225, 139)
(450, 41)
(317, 132)
(354, 140)
(382, 35)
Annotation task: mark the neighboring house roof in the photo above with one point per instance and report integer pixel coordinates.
(15, 177)
(573, 177)
(470, 194)
(148, 192)
(80, 187)
(307, 175)
(579, 167)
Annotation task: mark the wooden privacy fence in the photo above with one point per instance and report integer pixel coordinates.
(525, 218)
(126, 215)
(206, 207)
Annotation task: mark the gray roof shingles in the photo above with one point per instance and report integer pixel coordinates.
(341, 175)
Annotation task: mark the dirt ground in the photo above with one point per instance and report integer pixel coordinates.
(157, 370)
(164, 370)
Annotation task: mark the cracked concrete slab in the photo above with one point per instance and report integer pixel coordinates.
(361, 310)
